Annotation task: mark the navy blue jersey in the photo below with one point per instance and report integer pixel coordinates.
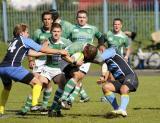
(116, 64)
(17, 50)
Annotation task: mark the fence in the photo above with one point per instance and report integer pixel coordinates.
(139, 17)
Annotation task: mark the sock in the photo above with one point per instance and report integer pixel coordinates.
(68, 89)
(74, 94)
(46, 96)
(110, 96)
(55, 104)
(124, 101)
(36, 91)
(83, 93)
(3, 100)
(27, 105)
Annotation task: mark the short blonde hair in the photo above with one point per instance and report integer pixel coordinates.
(19, 28)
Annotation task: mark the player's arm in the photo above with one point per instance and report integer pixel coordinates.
(100, 36)
(29, 43)
(128, 52)
(31, 62)
(72, 60)
(34, 53)
(101, 39)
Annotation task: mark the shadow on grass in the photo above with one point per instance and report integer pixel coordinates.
(106, 116)
(149, 108)
(37, 115)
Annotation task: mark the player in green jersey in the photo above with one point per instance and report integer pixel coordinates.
(66, 26)
(40, 36)
(84, 32)
(74, 74)
(118, 39)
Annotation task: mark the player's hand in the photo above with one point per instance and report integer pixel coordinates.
(31, 64)
(79, 62)
(45, 43)
(126, 58)
(101, 80)
(63, 52)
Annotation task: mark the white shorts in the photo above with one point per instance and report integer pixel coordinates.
(85, 67)
(39, 64)
(50, 72)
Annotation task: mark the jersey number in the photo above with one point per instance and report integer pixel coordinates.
(12, 47)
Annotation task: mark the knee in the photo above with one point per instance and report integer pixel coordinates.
(124, 89)
(35, 81)
(106, 88)
(78, 75)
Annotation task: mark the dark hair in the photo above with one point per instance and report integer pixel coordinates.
(19, 28)
(99, 45)
(56, 25)
(118, 19)
(91, 52)
(54, 13)
(46, 13)
(81, 11)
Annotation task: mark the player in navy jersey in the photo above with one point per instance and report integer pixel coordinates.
(11, 69)
(125, 80)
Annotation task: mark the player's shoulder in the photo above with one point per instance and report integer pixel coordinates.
(66, 22)
(38, 31)
(91, 26)
(124, 35)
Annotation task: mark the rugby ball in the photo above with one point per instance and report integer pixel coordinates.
(78, 56)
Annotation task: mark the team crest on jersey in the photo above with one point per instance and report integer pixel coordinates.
(110, 39)
(76, 30)
(89, 31)
(42, 37)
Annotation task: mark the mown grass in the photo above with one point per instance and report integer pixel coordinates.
(144, 106)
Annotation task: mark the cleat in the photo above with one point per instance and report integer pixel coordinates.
(1, 115)
(35, 108)
(21, 113)
(66, 105)
(111, 115)
(53, 113)
(121, 112)
(43, 110)
(103, 99)
(83, 100)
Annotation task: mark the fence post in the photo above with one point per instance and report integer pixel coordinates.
(105, 16)
(54, 5)
(5, 27)
(156, 14)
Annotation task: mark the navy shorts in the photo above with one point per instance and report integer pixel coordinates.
(131, 80)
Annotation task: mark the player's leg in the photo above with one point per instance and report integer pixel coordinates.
(83, 95)
(75, 92)
(84, 68)
(55, 109)
(28, 102)
(130, 85)
(22, 75)
(108, 90)
(107, 77)
(74, 75)
(7, 84)
(48, 73)
(46, 95)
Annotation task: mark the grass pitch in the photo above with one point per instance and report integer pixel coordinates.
(144, 105)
